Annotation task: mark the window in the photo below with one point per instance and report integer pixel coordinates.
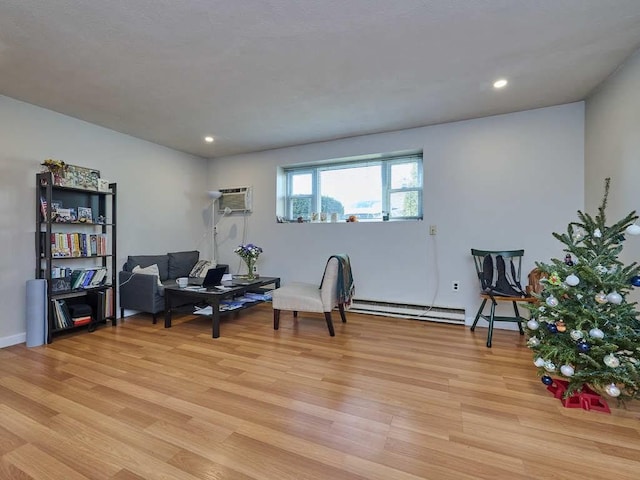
(371, 188)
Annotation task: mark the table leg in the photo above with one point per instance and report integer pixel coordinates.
(167, 309)
(215, 319)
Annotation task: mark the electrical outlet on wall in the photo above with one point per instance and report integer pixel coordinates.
(433, 229)
(455, 286)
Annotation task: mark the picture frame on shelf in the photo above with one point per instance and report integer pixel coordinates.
(81, 177)
(66, 215)
(85, 215)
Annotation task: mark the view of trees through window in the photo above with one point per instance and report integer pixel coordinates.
(374, 189)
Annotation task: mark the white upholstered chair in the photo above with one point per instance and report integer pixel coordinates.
(309, 297)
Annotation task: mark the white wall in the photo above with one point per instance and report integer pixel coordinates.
(612, 149)
(162, 205)
(502, 182)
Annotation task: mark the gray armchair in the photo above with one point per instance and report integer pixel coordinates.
(142, 292)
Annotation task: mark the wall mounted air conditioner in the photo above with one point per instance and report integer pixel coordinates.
(236, 199)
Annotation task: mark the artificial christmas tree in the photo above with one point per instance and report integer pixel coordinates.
(583, 328)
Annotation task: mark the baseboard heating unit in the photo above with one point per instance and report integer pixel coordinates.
(410, 311)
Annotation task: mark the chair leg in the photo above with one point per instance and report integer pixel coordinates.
(515, 309)
(276, 319)
(122, 313)
(155, 318)
(473, 327)
(490, 334)
(295, 314)
(342, 315)
(327, 315)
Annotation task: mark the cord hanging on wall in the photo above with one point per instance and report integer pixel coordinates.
(213, 195)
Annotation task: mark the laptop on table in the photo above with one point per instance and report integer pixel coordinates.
(211, 279)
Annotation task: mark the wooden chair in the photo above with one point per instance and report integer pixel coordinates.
(499, 276)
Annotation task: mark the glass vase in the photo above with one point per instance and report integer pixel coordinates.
(251, 274)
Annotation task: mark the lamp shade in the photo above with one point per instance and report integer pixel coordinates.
(214, 194)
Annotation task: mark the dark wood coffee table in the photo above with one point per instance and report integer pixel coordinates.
(174, 295)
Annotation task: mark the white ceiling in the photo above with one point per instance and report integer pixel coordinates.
(261, 74)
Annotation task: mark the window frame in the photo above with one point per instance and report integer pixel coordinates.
(384, 161)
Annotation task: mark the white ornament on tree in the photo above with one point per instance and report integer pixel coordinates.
(612, 390)
(597, 233)
(596, 333)
(572, 280)
(633, 229)
(533, 324)
(552, 301)
(615, 298)
(533, 342)
(539, 362)
(576, 335)
(567, 370)
(549, 366)
(611, 361)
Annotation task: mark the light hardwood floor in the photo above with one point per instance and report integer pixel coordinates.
(384, 399)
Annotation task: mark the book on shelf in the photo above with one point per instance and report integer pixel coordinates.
(93, 244)
(61, 315)
(78, 244)
(98, 277)
(88, 277)
(86, 281)
(43, 208)
(107, 303)
(76, 278)
(55, 206)
(81, 321)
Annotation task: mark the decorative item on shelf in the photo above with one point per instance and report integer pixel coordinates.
(249, 254)
(352, 219)
(103, 185)
(65, 215)
(81, 177)
(65, 175)
(85, 215)
(57, 167)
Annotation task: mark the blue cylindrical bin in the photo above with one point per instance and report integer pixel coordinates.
(36, 312)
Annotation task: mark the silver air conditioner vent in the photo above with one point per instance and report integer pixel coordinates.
(236, 199)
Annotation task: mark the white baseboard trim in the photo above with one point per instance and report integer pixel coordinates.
(13, 340)
(410, 311)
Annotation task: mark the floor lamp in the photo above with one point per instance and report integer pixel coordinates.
(213, 195)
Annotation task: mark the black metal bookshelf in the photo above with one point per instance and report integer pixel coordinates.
(78, 233)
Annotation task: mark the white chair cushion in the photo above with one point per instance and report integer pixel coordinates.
(300, 297)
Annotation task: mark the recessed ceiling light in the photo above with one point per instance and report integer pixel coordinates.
(208, 139)
(500, 83)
